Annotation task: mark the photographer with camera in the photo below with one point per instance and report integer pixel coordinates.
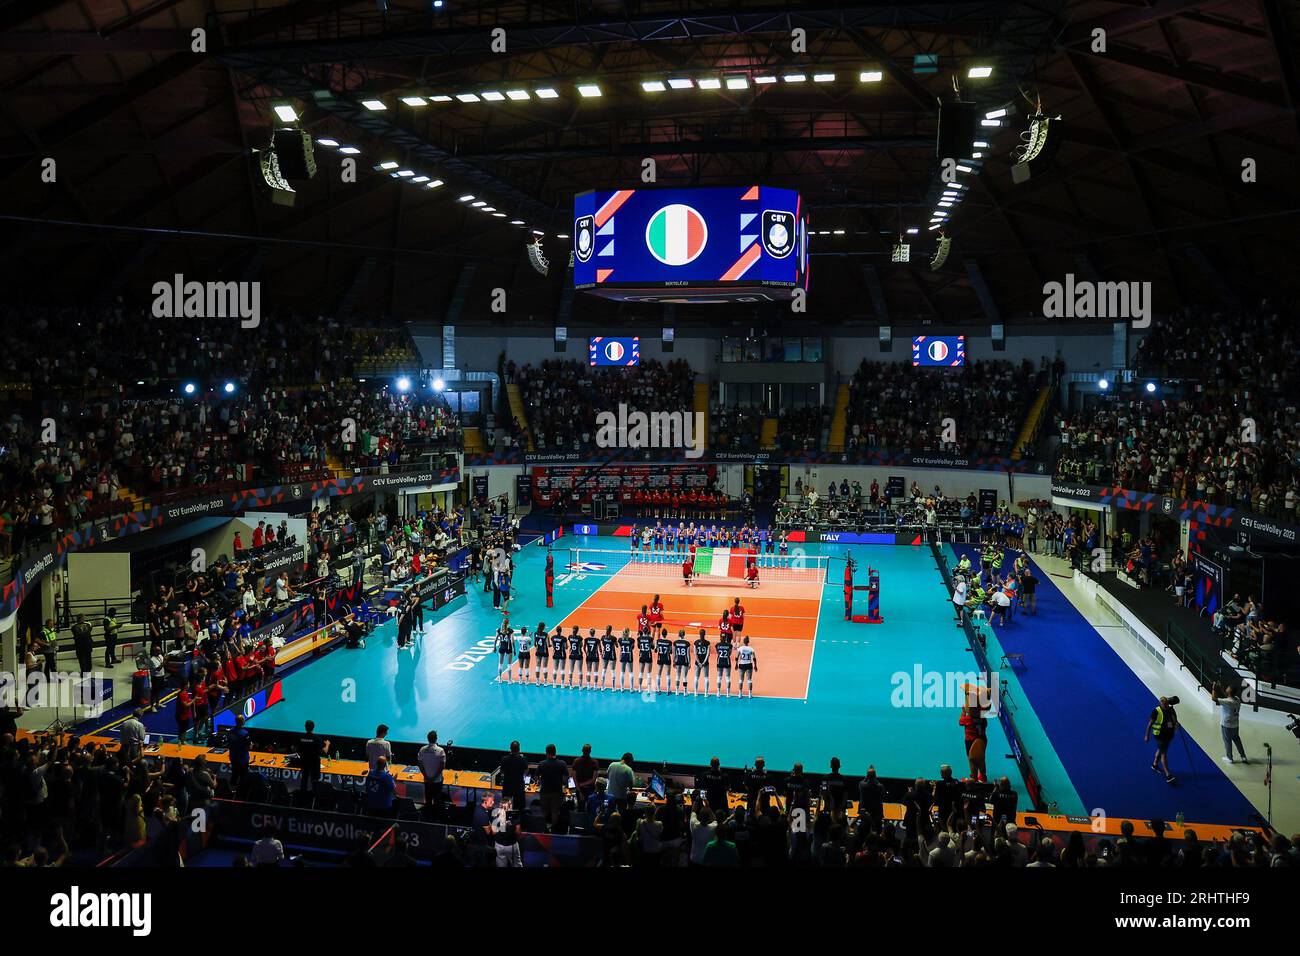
(1163, 725)
(1228, 700)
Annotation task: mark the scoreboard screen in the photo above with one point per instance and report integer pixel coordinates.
(726, 244)
(939, 351)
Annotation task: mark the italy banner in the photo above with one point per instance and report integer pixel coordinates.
(722, 562)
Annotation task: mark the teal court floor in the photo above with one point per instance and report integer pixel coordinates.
(860, 705)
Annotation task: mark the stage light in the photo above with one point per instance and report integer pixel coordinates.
(420, 179)
(538, 232)
(976, 155)
(935, 226)
(478, 204)
(794, 78)
(404, 173)
(995, 114)
(589, 90)
(990, 122)
(1151, 387)
(823, 77)
(518, 95)
(912, 231)
(433, 185)
(965, 169)
(440, 98)
(764, 80)
(979, 72)
(492, 96)
(561, 235)
(403, 384)
(189, 388)
(682, 83)
(498, 215)
(546, 93)
(465, 198)
(737, 83)
(375, 106)
(653, 86)
(980, 144)
(1103, 384)
(439, 385)
(387, 164)
(286, 113)
(467, 97)
(871, 76)
(327, 142)
(350, 150)
(710, 83)
(489, 208)
(516, 222)
(229, 388)
(839, 232)
(415, 101)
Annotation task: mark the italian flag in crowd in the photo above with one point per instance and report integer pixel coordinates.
(722, 562)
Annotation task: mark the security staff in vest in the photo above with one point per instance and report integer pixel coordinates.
(81, 640)
(49, 646)
(111, 627)
(1163, 725)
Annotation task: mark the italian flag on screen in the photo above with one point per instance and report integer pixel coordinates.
(722, 562)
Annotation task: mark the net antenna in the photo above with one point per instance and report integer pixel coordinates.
(536, 257)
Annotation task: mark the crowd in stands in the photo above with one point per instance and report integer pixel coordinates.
(563, 398)
(54, 480)
(1225, 431)
(735, 427)
(896, 407)
(71, 803)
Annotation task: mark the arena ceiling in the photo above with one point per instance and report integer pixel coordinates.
(154, 171)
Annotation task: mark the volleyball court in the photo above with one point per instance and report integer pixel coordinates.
(780, 614)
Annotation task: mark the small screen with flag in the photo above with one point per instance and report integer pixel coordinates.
(614, 350)
(939, 350)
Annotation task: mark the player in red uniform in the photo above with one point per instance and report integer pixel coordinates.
(656, 611)
(725, 627)
(642, 620)
(751, 574)
(737, 617)
(688, 567)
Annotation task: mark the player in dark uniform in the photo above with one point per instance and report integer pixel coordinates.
(575, 655)
(702, 648)
(681, 661)
(664, 659)
(591, 651)
(723, 649)
(643, 646)
(607, 655)
(625, 645)
(558, 645)
(505, 649)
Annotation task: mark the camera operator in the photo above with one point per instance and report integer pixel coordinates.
(1228, 700)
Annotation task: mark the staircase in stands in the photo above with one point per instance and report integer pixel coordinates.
(839, 419)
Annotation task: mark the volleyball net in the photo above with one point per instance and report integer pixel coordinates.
(712, 565)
